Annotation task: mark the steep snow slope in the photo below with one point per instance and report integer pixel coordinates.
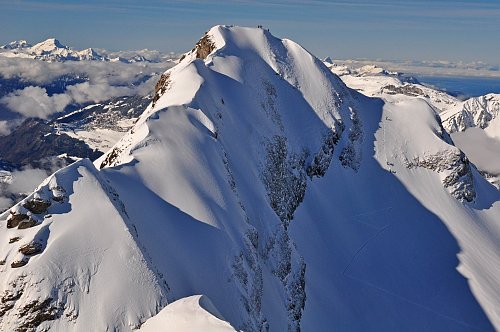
(70, 259)
(265, 117)
(480, 146)
(258, 179)
(395, 241)
(242, 92)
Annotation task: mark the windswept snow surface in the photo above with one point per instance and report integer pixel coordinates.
(260, 180)
(192, 314)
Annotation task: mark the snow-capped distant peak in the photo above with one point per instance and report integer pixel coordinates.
(16, 44)
(474, 112)
(48, 45)
(52, 50)
(89, 54)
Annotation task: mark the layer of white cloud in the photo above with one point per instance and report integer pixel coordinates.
(5, 203)
(4, 128)
(96, 72)
(103, 80)
(26, 180)
(34, 102)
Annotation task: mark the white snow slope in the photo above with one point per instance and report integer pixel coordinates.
(259, 180)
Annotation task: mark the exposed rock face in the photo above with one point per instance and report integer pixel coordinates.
(204, 47)
(323, 158)
(15, 218)
(350, 156)
(31, 248)
(34, 208)
(14, 239)
(19, 263)
(475, 112)
(407, 89)
(27, 223)
(285, 179)
(36, 312)
(37, 205)
(455, 171)
(32, 314)
(111, 157)
(161, 87)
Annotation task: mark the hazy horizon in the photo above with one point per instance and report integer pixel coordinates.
(397, 30)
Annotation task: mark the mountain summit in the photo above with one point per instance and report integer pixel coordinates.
(49, 45)
(258, 191)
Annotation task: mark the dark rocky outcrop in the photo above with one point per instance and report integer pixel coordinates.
(37, 205)
(15, 218)
(19, 263)
(204, 47)
(161, 87)
(407, 89)
(27, 223)
(111, 157)
(14, 239)
(36, 312)
(455, 169)
(31, 248)
(285, 179)
(323, 158)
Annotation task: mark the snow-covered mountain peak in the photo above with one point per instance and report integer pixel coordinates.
(89, 54)
(49, 45)
(474, 112)
(298, 93)
(53, 50)
(16, 44)
(257, 179)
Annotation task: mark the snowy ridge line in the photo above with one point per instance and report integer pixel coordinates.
(48, 264)
(217, 178)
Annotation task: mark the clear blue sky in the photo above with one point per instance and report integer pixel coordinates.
(385, 29)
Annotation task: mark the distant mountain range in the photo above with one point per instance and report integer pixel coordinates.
(53, 50)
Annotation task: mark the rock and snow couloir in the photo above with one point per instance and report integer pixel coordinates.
(258, 179)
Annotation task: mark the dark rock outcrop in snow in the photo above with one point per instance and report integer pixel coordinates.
(455, 169)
